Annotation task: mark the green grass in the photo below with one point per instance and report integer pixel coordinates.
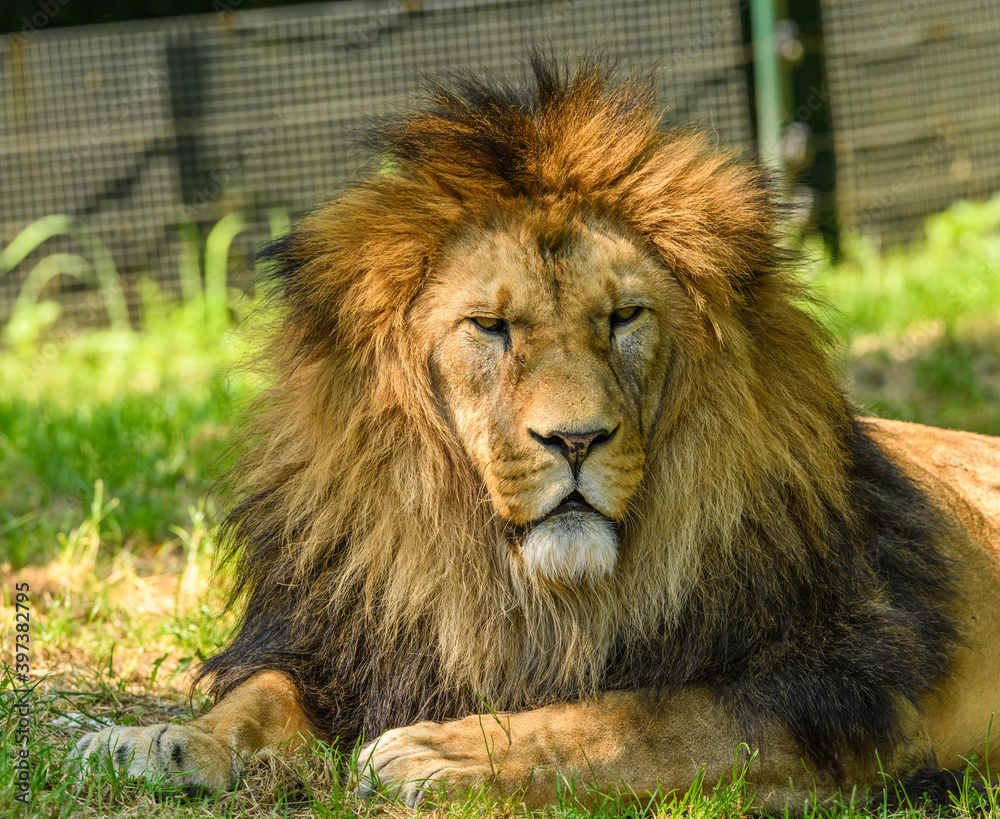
(110, 441)
(950, 276)
(146, 413)
(921, 325)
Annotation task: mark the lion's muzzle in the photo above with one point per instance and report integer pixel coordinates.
(572, 543)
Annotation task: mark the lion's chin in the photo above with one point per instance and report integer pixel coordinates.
(571, 547)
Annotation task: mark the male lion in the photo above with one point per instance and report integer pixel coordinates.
(555, 483)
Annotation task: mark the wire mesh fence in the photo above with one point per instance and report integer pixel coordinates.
(915, 98)
(152, 131)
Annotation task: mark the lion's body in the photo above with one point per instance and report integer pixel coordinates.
(961, 471)
(551, 431)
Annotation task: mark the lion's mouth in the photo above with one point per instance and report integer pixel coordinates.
(571, 543)
(573, 505)
(573, 502)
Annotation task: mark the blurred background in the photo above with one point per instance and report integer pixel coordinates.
(151, 121)
(147, 146)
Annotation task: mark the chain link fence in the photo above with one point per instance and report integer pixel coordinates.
(150, 131)
(914, 90)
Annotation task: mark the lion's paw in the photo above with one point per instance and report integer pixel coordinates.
(429, 759)
(176, 756)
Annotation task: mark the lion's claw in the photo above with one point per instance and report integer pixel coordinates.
(418, 761)
(175, 756)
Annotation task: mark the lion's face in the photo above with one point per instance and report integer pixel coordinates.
(549, 358)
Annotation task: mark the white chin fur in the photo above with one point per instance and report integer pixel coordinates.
(573, 546)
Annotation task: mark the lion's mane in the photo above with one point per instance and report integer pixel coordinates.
(771, 545)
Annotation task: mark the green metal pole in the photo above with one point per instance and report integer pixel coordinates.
(767, 84)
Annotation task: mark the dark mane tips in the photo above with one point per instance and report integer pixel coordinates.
(497, 135)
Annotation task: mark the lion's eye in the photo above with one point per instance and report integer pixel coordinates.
(490, 324)
(623, 315)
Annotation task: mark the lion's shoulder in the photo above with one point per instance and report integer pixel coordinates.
(962, 469)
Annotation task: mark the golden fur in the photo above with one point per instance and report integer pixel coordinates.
(766, 553)
(353, 417)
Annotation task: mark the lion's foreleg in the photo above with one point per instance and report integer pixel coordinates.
(615, 744)
(209, 752)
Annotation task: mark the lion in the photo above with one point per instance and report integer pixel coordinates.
(556, 485)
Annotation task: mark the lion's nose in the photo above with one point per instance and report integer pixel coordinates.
(574, 446)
